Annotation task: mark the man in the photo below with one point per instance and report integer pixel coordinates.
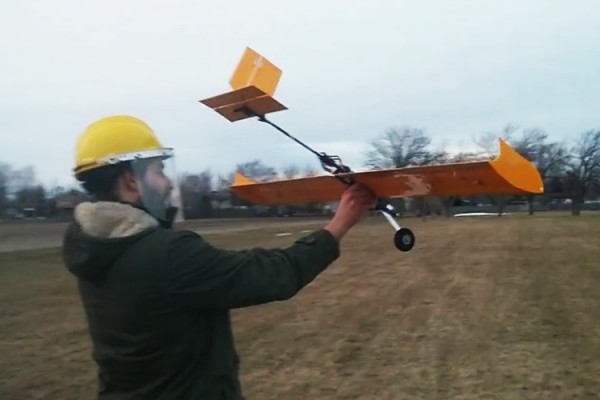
(158, 299)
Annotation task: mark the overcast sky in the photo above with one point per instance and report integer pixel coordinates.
(351, 69)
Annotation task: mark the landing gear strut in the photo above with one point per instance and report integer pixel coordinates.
(404, 239)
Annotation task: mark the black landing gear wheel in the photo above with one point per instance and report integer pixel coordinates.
(404, 239)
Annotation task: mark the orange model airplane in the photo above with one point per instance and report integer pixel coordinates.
(254, 82)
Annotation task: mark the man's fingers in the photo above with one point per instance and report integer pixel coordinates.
(364, 196)
(365, 201)
(360, 191)
(360, 196)
(358, 187)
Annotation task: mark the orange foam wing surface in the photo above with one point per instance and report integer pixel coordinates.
(509, 173)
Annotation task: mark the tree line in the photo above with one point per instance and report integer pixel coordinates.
(570, 169)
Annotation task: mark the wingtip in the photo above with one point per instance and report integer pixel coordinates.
(240, 179)
(517, 170)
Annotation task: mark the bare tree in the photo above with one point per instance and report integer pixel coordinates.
(199, 183)
(22, 178)
(583, 167)
(291, 171)
(223, 182)
(19, 188)
(549, 157)
(468, 156)
(222, 188)
(5, 170)
(309, 170)
(488, 142)
(401, 147)
(257, 170)
(196, 194)
(32, 197)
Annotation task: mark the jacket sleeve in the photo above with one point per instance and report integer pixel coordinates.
(202, 276)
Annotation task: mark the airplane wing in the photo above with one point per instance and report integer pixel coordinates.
(509, 173)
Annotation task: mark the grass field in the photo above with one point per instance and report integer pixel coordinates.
(482, 308)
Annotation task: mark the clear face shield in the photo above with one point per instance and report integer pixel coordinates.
(157, 181)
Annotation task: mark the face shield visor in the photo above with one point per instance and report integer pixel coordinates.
(156, 179)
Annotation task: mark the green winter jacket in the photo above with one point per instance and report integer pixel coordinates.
(158, 300)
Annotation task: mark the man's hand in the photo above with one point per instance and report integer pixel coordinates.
(355, 202)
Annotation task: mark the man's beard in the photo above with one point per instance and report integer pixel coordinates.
(156, 202)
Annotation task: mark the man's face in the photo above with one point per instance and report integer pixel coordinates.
(156, 187)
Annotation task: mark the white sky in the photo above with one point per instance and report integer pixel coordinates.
(351, 69)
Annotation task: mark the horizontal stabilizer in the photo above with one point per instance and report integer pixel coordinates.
(243, 103)
(253, 82)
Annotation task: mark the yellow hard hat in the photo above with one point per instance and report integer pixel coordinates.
(116, 139)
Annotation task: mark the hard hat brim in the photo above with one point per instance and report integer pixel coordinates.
(163, 153)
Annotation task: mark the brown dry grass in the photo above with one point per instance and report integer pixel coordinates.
(490, 308)
(28, 235)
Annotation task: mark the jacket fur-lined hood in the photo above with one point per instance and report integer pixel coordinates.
(112, 220)
(100, 233)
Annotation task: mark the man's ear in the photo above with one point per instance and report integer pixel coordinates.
(129, 183)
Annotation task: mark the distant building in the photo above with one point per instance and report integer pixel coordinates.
(65, 204)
